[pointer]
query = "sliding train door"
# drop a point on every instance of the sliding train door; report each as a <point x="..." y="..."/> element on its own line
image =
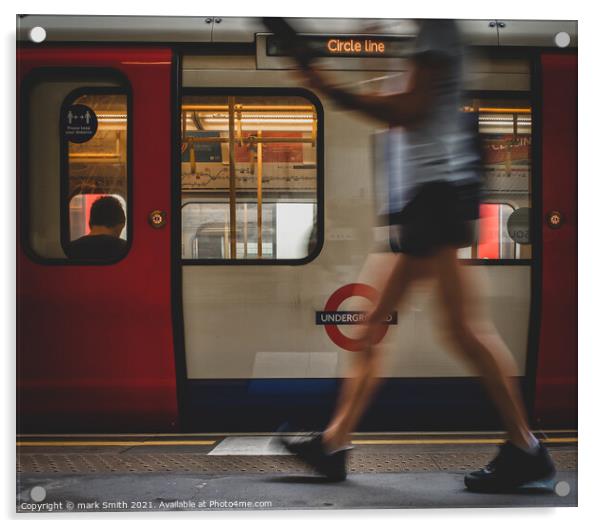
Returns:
<point x="95" y="340"/>
<point x="556" y="382"/>
<point x="281" y="250"/>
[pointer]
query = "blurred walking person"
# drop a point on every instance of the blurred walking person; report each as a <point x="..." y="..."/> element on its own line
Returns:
<point x="436" y="195"/>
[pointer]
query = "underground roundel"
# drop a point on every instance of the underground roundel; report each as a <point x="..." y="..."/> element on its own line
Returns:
<point x="331" y="318"/>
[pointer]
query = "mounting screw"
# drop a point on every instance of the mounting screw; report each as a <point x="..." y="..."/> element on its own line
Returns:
<point x="208" y="20"/>
<point x="501" y="24"/>
<point x="218" y="20"/>
<point x="492" y="24"/>
<point x="562" y="39"/>
<point x="37" y="34"/>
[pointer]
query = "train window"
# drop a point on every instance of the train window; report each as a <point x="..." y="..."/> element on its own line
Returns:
<point x="67" y="167"/>
<point x="505" y="133"/>
<point x="97" y="169"/>
<point x="286" y="227"/>
<point x="250" y="185"/>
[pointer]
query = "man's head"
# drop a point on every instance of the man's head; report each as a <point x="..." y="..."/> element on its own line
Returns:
<point x="107" y="217"/>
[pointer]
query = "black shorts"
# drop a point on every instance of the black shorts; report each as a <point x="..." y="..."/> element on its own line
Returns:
<point x="441" y="214"/>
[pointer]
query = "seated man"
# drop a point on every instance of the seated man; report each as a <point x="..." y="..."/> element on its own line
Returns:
<point x="107" y="220"/>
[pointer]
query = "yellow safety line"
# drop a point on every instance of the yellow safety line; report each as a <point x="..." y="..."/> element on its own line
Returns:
<point x="395" y="441"/>
<point x="455" y="441"/>
<point x="117" y="443"/>
<point x="225" y="433"/>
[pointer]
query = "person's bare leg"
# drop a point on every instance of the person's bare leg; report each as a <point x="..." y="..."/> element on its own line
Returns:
<point x="478" y="342"/>
<point x="363" y="378"/>
<point x="356" y="392"/>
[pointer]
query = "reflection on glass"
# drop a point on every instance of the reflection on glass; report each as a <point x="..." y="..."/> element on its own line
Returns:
<point x="494" y="240"/>
<point x="286" y="230"/>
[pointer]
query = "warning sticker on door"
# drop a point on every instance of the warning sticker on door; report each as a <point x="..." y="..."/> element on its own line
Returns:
<point x="79" y="123"/>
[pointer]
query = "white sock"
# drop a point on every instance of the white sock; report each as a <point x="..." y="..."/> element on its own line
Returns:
<point x="533" y="444"/>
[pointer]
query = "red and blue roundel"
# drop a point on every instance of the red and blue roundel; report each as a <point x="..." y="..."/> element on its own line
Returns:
<point x="331" y="318"/>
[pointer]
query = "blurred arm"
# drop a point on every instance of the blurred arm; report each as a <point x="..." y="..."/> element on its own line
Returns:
<point x="400" y="109"/>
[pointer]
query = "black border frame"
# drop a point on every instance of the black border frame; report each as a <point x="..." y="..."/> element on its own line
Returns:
<point x="258" y="91"/>
<point x="23" y="116"/>
<point x="536" y="226"/>
<point x="185" y="417"/>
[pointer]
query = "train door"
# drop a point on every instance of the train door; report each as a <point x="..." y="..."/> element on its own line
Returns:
<point x="556" y="381"/>
<point x="95" y="339"/>
<point x="259" y="346"/>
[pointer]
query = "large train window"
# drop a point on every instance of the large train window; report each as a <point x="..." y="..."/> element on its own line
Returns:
<point x="250" y="168"/>
<point x="74" y="144"/>
<point x="505" y="132"/>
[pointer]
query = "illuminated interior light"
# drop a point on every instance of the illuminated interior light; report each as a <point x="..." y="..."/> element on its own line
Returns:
<point x="244" y="121"/>
<point x="489" y="119"/>
<point x="256" y="117"/>
<point x="505" y="110"/>
<point x="249" y="108"/>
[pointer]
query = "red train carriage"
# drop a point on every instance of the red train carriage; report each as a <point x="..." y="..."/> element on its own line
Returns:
<point x="249" y="202"/>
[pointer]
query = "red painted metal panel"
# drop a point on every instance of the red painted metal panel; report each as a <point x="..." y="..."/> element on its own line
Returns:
<point x="95" y="344"/>
<point x="556" y="383"/>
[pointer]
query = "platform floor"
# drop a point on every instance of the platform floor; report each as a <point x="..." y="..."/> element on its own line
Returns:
<point x="215" y="472"/>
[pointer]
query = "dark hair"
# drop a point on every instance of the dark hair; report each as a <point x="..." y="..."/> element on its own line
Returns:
<point x="107" y="211"/>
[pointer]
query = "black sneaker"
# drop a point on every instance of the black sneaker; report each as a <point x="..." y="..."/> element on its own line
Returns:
<point x="510" y="469"/>
<point x="311" y="451"/>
